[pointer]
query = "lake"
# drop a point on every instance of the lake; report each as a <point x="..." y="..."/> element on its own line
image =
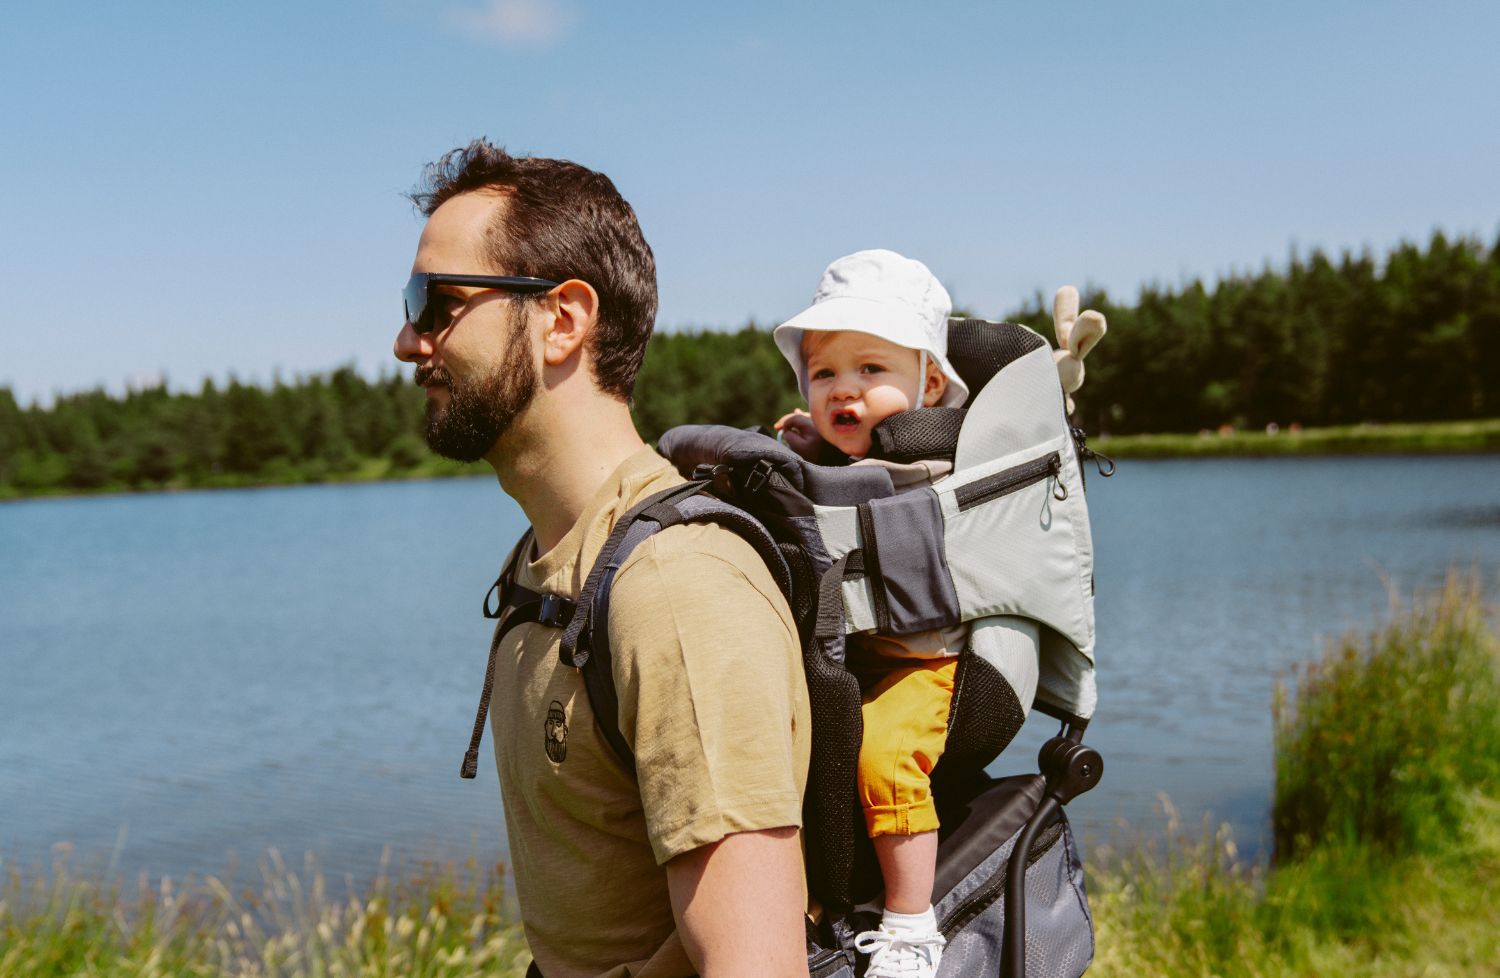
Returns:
<point x="189" y="680"/>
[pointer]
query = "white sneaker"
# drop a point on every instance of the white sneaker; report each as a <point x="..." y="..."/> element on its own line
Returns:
<point x="905" y="954"/>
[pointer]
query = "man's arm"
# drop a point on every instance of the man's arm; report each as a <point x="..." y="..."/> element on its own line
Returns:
<point x="739" y="904"/>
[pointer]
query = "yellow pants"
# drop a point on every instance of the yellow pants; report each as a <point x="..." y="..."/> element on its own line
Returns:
<point x="906" y="724"/>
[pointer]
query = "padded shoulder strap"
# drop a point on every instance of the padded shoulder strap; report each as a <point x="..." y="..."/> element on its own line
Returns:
<point x="591" y="653"/>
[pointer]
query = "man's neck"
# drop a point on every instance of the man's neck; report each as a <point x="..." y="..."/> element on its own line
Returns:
<point x="552" y="461"/>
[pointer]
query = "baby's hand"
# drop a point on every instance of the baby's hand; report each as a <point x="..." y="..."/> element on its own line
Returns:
<point x="798" y="433"/>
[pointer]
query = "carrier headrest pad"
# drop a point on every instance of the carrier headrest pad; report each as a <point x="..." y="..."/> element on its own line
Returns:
<point x="979" y="349"/>
<point x="691" y="445"/>
<point x="931" y="433"/>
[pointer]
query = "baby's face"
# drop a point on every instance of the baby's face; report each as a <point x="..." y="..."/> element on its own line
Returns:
<point x="856" y="381"/>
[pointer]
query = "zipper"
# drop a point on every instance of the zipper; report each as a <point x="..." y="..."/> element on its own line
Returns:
<point x="1004" y="483"/>
<point x="994" y="887"/>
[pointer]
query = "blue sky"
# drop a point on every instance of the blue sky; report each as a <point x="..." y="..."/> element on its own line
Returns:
<point x="195" y="188"/>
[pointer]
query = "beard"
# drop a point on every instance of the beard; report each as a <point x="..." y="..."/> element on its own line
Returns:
<point x="479" y="411"/>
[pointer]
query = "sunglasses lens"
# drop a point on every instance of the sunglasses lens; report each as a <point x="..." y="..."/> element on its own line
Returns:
<point x="414" y="298"/>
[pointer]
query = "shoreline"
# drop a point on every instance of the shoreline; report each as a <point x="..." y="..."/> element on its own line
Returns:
<point x="1477" y="437"/>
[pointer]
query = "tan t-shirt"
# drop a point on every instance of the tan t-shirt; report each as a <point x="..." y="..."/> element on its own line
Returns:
<point x="712" y="701"/>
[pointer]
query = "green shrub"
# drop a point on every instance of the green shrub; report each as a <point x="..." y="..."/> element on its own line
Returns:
<point x="1382" y="740"/>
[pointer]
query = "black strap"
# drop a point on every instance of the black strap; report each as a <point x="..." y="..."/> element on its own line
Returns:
<point x="597" y="668"/>
<point x="517" y="606"/>
<point x="831" y="594"/>
<point x="871" y="547"/>
<point x="585" y="623"/>
<point x="599" y="681"/>
<point x="507" y="578"/>
<point x="574" y="650"/>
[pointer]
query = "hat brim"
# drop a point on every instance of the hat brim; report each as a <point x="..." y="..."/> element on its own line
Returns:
<point x="884" y="320"/>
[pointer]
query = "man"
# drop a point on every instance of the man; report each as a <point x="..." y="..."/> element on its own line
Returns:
<point x="694" y="864"/>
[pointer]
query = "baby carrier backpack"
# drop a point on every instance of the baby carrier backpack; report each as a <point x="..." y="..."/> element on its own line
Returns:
<point x="1001" y="544"/>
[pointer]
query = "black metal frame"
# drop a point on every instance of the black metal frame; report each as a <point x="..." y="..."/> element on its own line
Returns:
<point x="1071" y="768"/>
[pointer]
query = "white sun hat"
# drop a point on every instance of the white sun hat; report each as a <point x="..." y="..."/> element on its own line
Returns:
<point x="886" y="295"/>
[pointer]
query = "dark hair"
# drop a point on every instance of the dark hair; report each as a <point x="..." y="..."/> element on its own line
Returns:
<point x="562" y="221"/>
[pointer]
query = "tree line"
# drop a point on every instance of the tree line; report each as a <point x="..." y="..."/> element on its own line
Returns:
<point x="1414" y="336"/>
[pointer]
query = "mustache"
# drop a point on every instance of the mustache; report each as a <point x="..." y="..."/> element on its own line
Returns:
<point x="429" y="376"/>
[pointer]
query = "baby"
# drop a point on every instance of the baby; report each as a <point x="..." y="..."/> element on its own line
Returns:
<point x="873" y="344"/>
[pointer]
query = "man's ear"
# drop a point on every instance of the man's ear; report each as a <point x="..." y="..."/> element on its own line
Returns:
<point x="937" y="385"/>
<point x="573" y="309"/>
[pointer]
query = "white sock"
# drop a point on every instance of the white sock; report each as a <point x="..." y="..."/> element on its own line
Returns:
<point x="909" y="923"/>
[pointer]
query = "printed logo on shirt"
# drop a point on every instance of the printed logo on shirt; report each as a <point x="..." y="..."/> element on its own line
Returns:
<point x="555" y="733"/>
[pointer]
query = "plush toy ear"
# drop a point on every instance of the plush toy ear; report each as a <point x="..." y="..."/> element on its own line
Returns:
<point x="1089" y="328"/>
<point x="1064" y="311"/>
<point x="1069" y="370"/>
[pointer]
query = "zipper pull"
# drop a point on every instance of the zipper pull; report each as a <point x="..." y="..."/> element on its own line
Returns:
<point x="1103" y="463"/>
<point x="1059" y="488"/>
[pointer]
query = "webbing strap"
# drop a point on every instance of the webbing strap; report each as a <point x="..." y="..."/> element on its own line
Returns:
<point x="871" y="547"/>
<point x="831" y="594"/>
<point x="524" y="606"/>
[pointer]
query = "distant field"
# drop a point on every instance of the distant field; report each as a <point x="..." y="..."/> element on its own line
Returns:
<point x="1365" y="439"/>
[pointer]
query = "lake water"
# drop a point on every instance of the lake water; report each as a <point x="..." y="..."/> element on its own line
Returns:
<point x="189" y="680"/>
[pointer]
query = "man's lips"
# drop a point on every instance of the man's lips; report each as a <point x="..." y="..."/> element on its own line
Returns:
<point x="432" y="379"/>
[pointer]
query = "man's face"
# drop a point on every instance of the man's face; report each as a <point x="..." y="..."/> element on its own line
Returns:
<point x="476" y="365"/>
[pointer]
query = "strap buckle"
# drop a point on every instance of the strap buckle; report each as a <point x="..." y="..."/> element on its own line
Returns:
<point x="717" y="477"/>
<point x="758" y="476"/>
<point x="556" y="611"/>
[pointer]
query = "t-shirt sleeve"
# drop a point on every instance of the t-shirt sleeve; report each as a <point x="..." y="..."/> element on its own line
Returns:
<point x="712" y="699"/>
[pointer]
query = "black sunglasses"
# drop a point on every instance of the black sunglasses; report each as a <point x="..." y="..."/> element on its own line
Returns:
<point x="418" y="291"/>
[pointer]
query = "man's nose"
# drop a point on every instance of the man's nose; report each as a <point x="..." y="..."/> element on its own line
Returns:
<point x="411" y="346"/>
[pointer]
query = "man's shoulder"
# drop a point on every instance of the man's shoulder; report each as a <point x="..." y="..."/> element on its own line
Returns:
<point x="706" y="548"/>
<point x="701" y="572"/>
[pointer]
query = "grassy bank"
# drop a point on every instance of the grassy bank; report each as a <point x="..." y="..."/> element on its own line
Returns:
<point x="1386" y="820"/>
<point x="1436" y="437"/>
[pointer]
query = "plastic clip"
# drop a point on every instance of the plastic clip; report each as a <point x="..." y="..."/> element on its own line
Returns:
<point x="556" y="611"/>
<point x="756" y="480"/>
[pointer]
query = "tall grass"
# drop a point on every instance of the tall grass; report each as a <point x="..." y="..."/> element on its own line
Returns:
<point x="1386" y="820"/>
<point x="1389" y="734"/>
<point x="453" y="923"/>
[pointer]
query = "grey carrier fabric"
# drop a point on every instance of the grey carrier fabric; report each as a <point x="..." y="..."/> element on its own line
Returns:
<point x="1001" y="544"/>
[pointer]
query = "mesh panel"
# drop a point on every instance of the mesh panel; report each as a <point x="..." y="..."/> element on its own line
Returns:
<point x="983" y="719"/>
<point x="911" y="436"/>
<point x="978" y="349"/>
<point x="839" y="854"/>
<point x="804" y="585"/>
<point x="1059" y="926"/>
